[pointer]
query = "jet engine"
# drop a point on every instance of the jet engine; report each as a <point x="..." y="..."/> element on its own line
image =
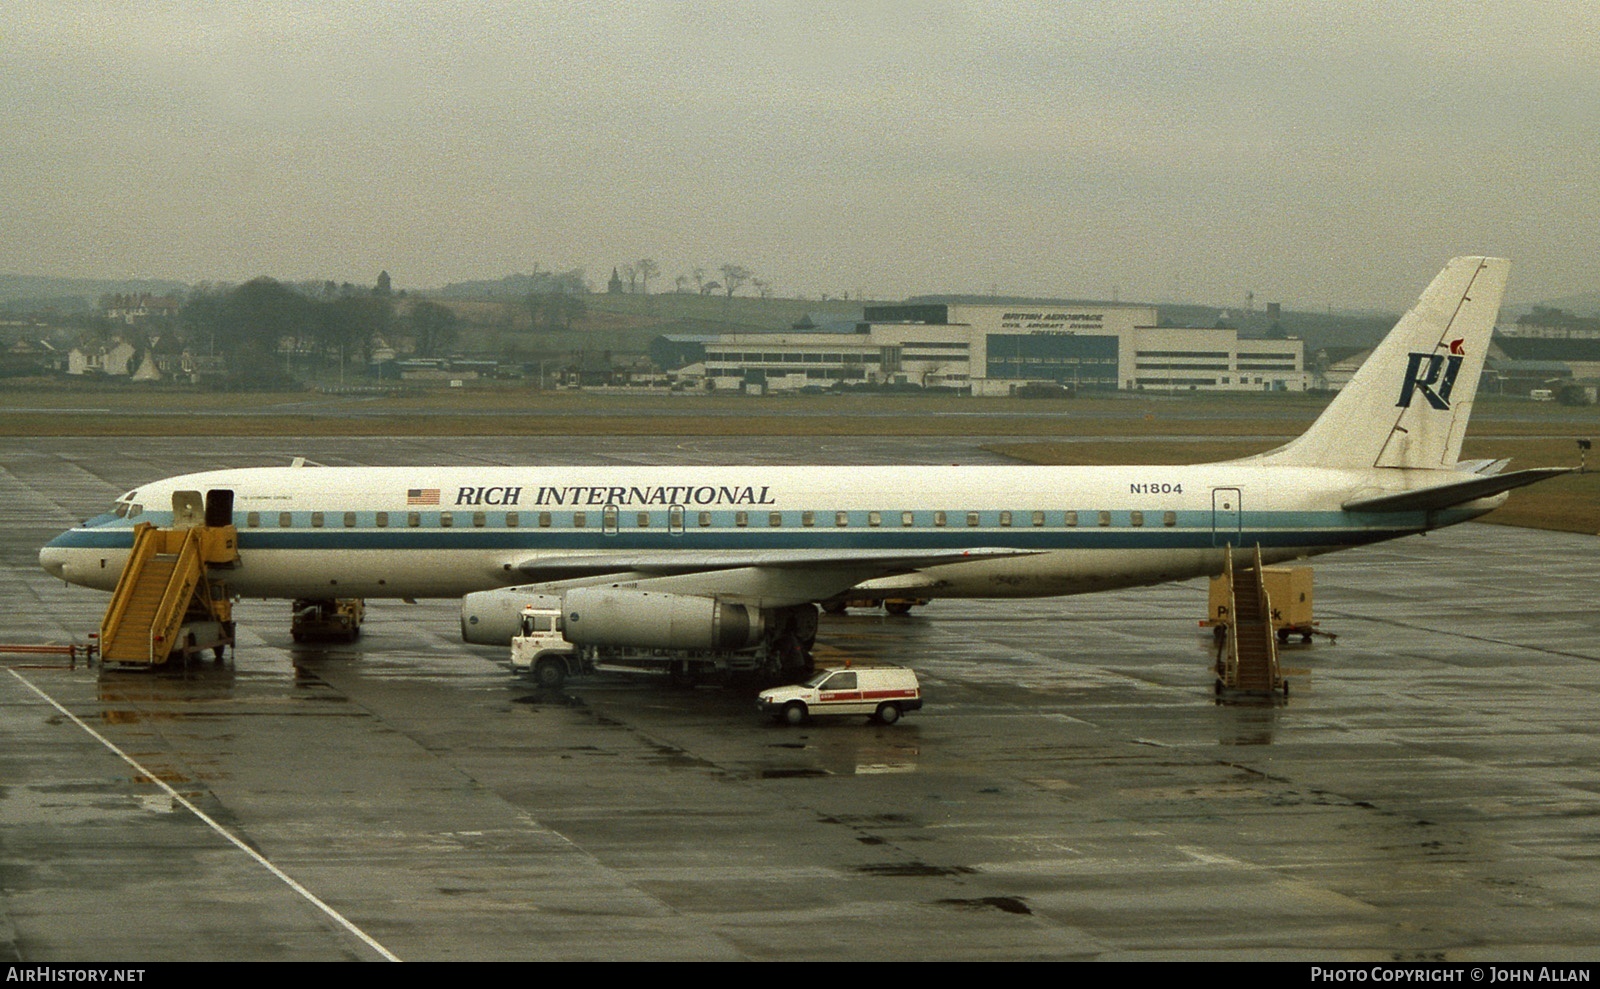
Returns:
<point x="491" y="618"/>
<point x="614" y="616"/>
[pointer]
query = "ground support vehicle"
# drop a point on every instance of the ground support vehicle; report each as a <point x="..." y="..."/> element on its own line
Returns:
<point x="894" y="606"/>
<point x="1288" y="590"/>
<point x="327" y="619"/>
<point x="883" y="693"/>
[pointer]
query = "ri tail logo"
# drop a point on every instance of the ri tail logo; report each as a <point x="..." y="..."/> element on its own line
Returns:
<point x="1433" y="376"/>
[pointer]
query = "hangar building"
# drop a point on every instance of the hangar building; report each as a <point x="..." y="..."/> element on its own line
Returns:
<point x="992" y="350"/>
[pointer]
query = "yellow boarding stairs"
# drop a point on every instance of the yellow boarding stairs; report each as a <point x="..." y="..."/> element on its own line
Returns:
<point x="166" y="602"/>
<point x="1247" y="660"/>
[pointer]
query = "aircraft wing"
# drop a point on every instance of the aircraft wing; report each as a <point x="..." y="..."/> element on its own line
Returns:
<point x="1455" y="492"/>
<point x="569" y="565"/>
<point x="771" y="578"/>
<point x="698" y="560"/>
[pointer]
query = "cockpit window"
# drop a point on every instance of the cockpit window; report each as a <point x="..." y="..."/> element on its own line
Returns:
<point x="120" y="509"/>
<point x="135" y="510"/>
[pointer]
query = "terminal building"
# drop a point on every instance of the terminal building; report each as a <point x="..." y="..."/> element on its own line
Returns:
<point x="991" y="350"/>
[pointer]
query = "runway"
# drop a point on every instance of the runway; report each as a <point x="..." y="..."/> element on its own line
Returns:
<point x="1430" y="791"/>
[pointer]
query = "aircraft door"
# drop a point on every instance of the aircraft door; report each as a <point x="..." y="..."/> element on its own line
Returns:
<point x="188" y="509"/>
<point x="219" y="507"/>
<point x="1226" y="517"/>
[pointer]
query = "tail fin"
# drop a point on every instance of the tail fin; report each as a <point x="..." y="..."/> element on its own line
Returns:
<point x="1408" y="405"/>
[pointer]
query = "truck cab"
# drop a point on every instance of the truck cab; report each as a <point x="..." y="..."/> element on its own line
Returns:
<point x="541" y="648"/>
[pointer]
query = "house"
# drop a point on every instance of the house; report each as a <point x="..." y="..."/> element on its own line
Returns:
<point x="111" y="359"/>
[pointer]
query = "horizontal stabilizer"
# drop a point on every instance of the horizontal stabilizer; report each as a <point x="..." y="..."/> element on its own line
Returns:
<point x="1454" y="493"/>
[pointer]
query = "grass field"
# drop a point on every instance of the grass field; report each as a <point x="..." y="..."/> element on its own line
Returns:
<point x="1149" y="429"/>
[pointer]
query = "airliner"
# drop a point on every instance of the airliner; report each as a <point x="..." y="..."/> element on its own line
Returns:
<point x="738" y="557"/>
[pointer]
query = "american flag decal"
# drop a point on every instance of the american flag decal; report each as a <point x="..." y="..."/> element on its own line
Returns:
<point x="422" y="496"/>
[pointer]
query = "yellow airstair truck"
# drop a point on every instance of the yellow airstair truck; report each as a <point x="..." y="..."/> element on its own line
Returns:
<point x="171" y="599"/>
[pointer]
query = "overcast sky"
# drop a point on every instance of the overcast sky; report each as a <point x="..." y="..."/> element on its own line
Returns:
<point x="1318" y="154"/>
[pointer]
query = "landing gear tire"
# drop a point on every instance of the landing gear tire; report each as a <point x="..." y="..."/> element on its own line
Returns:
<point x="888" y="714"/>
<point x="834" y="607"/>
<point x="794" y="714"/>
<point x="897" y="607"/>
<point x="550" y="673"/>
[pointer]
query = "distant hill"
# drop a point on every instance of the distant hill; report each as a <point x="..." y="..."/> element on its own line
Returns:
<point x="513" y="286"/>
<point x="28" y="293"/>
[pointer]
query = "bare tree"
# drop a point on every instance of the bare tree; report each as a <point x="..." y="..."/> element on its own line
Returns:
<point x="733" y="276"/>
<point x="648" y="269"/>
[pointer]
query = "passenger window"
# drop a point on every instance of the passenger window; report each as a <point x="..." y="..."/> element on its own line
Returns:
<point x="544" y="520"/>
<point x="1105" y="518"/>
<point x="349" y="520"/>
<point x="446" y="520"/>
<point x="1136" y="518"/>
<point x="906" y="518"/>
<point x="775" y="519"/>
<point x="413" y="519"/>
<point x="644" y="520"/>
<point x="1169" y="518"/>
<point x="252" y="519"/>
<point x="285" y="520"/>
<point x="479" y="520"/>
<point x="512" y="520"/>
<point x="382" y="519"/>
<point x="972" y="518"/>
<point x="579" y="520"/>
<point x="938" y="518"/>
<point x="1005" y="518"/>
<point x="874" y="518"/>
<point x="1038" y="518"/>
<point x="1069" y="518"/>
<point x="841" y="518"/>
<point x="705" y="520"/>
<point x="808" y="518"/>
<point x="741" y="519"/>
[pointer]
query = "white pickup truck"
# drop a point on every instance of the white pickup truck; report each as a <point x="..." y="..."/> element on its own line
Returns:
<point x="883" y="693"/>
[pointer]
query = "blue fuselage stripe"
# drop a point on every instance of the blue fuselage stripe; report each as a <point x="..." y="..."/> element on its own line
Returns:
<point x="1191" y="530"/>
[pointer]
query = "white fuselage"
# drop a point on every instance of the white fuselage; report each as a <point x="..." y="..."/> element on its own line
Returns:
<point x="412" y="532"/>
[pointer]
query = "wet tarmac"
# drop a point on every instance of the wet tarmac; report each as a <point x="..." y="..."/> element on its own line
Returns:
<point x="1430" y="790"/>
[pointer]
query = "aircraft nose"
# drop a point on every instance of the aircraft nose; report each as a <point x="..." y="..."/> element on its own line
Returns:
<point x="54" y="561"/>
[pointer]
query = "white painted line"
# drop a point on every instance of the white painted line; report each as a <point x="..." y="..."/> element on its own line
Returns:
<point x="337" y="917"/>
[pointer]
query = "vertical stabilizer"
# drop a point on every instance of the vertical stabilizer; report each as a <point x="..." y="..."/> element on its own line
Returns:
<point x="1408" y="405"/>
